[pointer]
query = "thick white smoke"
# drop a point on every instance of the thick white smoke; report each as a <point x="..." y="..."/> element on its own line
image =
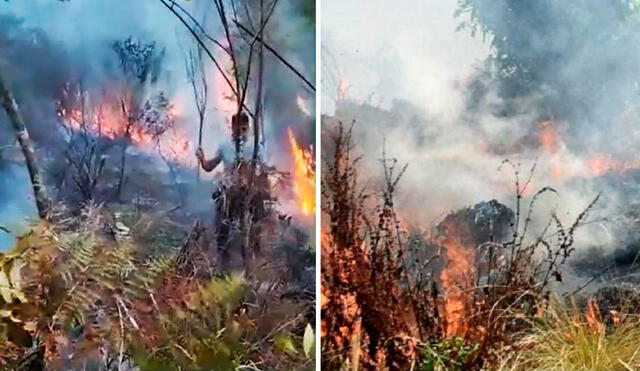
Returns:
<point x="410" y="77"/>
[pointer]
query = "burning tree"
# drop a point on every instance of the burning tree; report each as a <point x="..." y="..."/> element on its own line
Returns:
<point x="140" y="65"/>
<point x="96" y="123"/>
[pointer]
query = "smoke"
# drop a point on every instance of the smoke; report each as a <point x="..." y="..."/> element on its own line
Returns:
<point x="549" y="83"/>
<point x="45" y="44"/>
<point x="86" y="29"/>
<point x="15" y="200"/>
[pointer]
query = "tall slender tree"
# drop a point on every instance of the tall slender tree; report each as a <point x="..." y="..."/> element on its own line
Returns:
<point x="11" y="108"/>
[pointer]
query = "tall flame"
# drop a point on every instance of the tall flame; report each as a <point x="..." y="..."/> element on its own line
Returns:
<point x="304" y="175"/>
<point x="455" y="276"/>
<point x="224" y="95"/>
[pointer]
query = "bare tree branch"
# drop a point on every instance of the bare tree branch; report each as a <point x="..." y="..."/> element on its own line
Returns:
<point x="277" y="55"/>
<point x="169" y="4"/>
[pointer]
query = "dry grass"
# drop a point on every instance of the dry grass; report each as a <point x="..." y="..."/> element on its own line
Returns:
<point x="566" y="339"/>
<point x="383" y="302"/>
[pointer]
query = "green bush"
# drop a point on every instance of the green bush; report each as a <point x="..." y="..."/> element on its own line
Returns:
<point x="451" y="354"/>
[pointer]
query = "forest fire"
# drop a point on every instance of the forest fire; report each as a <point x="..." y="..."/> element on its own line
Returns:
<point x="303" y="176"/>
<point x="593" y="316"/>
<point x="225" y="96"/>
<point x="601" y="164"/>
<point x="103" y="124"/>
<point x="153" y="135"/>
<point x="102" y="161"/>
<point x="455" y="277"/>
<point x="593" y="165"/>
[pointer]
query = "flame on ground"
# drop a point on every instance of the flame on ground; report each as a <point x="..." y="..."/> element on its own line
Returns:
<point x="108" y="121"/>
<point x="455" y="277"/>
<point x="303" y="176"/>
<point x="593" y="316"/>
<point x="591" y="165"/>
<point x="600" y="164"/>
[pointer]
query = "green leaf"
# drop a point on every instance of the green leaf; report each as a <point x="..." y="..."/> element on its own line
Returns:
<point x="10" y="280"/>
<point x="284" y="343"/>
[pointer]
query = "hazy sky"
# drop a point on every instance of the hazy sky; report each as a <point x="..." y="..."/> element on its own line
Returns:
<point x="388" y="49"/>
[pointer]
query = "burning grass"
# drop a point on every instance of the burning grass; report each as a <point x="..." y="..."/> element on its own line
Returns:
<point x="456" y="299"/>
<point x="568" y="339"/>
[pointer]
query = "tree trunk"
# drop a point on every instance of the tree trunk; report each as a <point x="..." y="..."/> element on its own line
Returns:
<point x="11" y="107"/>
<point x="123" y="164"/>
<point x="258" y="110"/>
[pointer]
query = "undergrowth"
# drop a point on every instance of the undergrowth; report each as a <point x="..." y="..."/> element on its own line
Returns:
<point x="568" y="339"/>
<point x="76" y="295"/>
<point x="384" y="303"/>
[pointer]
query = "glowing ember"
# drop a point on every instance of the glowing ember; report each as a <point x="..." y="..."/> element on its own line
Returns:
<point x="456" y="275"/>
<point x="303" y="176"/>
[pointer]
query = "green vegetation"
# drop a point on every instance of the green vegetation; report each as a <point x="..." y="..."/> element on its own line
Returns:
<point x="74" y="297"/>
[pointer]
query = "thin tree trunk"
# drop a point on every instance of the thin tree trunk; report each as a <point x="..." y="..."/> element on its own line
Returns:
<point x="258" y="110"/>
<point x="11" y="107"/>
<point x="123" y="163"/>
<point x="201" y="117"/>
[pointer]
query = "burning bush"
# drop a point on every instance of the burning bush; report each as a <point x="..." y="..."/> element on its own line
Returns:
<point x="362" y="257"/>
<point x="451" y="300"/>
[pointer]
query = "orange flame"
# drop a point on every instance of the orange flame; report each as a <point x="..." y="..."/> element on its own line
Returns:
<point x="455" y="277"/>
<point x="548" y="137"/>
<point x="108" y="121"/>
<point x="303" y="176"/>
<point x="600" y="164"/>
<point x="594" y="165"/>
<point x="594" y="319"/>
<point x="225" y="97"/>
